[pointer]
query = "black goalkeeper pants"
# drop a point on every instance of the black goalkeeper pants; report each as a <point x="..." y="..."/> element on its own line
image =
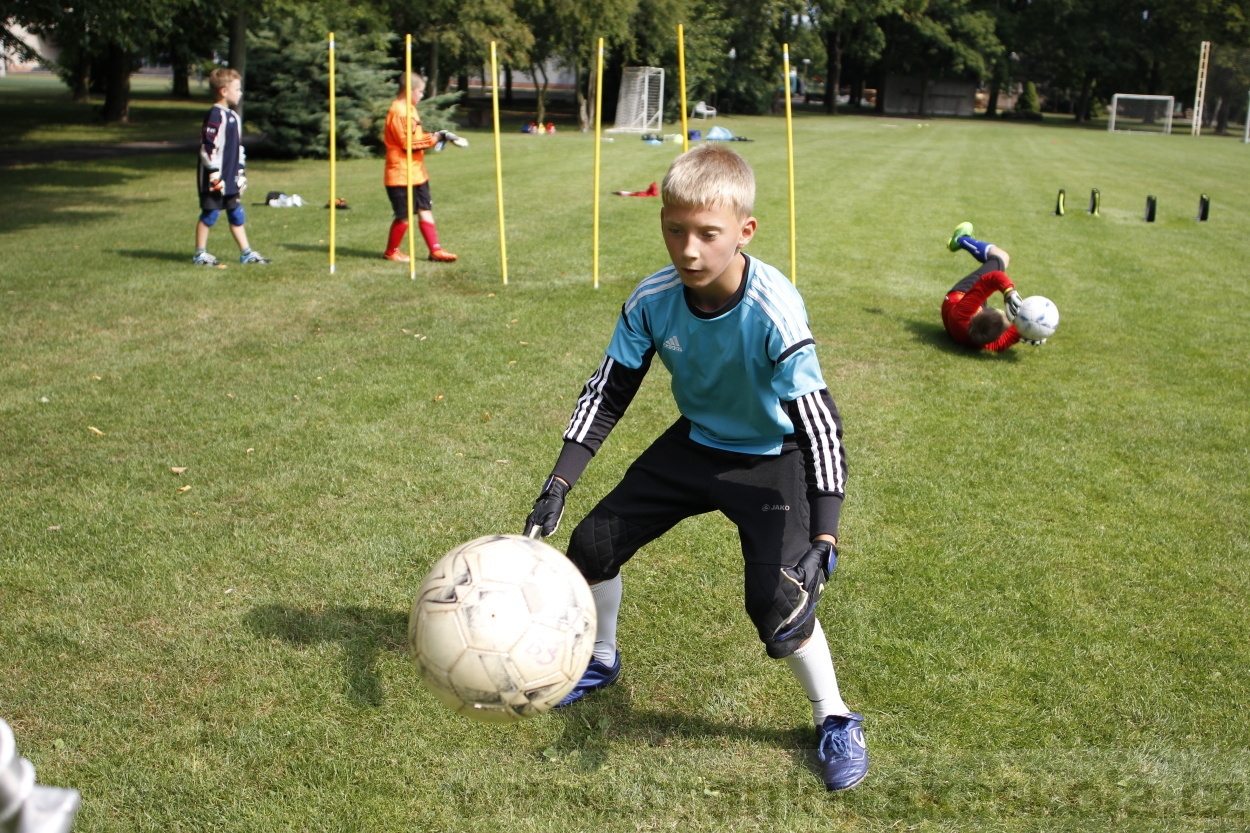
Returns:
<point x="676" y="478"/>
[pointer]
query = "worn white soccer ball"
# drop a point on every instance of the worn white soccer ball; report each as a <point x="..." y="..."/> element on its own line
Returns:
<point x="1037" y="318"/>
<point x="502" y="628"/>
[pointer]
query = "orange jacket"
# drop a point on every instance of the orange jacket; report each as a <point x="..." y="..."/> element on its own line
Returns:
<point x="396" y="149"/>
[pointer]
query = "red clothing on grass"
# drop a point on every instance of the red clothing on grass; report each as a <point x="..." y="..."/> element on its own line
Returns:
<point x="959" y="307"/>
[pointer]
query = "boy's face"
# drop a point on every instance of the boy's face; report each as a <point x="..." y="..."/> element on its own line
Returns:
<point x="232" y="93"/>
<point x="703" y="240"/>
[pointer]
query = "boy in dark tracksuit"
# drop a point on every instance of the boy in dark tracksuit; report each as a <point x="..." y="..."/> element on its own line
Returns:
<point x="760" y="440"/>
<point x="220" y="172"/>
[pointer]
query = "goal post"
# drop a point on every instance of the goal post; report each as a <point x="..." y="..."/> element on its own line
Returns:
<point x="1132" y="113"/>
<point x="1200" y="92"/>
<point x="1220" y="105"/>
<point x="640" y="106"/>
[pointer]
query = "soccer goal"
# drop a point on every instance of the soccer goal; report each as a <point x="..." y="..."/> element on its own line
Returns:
<point x="640" y="107"/>
<point x="1141" y="113"/>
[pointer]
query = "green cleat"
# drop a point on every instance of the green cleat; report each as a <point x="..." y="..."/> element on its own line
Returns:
<point x="962" y="230"/>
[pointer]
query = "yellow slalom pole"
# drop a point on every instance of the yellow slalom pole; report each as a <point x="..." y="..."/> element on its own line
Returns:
<point x="333" y="155"/>
<point x="494" y="103"/>
<point x="785" y="61"/>
<point x="681" y="75"/>
<point x="412" y="232"/>
<point x="598" y="148"/>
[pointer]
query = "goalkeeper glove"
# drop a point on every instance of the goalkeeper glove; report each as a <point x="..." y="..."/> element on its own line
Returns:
<point x="241" y="180"/>
<point x="808" y="576"/>
<point x="445" y="136"/>
<point x="216" y="184"/>
<point x="1013" y="305"/>
<point x="548" y="509"/>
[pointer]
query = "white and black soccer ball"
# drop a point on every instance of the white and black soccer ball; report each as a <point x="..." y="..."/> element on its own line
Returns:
<point x="502" y="628"/>
<point x="1037" y="318"/>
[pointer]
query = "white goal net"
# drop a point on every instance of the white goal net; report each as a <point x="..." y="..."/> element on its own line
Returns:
<point x="1141" y="113"/>
<point x="640" y="107"/>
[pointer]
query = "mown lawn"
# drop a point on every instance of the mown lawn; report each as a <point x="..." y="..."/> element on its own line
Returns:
<point x="1042" y="602"/>
<point x="37" y="112"/>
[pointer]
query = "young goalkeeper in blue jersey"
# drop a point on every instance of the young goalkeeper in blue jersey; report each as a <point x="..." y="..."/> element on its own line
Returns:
<point x="759" y="439"/>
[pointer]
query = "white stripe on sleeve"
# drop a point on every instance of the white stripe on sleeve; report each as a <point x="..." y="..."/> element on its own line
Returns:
<point x="589" y="402"/>
<point x="644" y="290"/>
<point x="820" y="447"/>
<point x="779" y="320"/>
<point x="832" y="445"/>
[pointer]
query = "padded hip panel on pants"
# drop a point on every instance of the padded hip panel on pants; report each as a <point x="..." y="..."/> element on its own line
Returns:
<point x="602" y="542"/>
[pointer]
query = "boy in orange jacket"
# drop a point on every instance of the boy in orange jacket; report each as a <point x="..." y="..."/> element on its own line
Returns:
<point x="398" y="135"/>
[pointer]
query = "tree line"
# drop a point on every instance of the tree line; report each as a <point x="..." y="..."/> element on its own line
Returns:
<point x="1076" y="53"/>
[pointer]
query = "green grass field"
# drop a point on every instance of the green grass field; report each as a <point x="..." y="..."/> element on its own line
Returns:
<point x="36" y="111"/>
<point x="1042" y="601"/>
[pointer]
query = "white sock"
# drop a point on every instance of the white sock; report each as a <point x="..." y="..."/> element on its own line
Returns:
<point x="813" y="665"/>
<point x="607" y="606"/>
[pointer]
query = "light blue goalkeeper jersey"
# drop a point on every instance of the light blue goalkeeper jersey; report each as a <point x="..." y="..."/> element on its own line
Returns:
<point x="730" y="372"/>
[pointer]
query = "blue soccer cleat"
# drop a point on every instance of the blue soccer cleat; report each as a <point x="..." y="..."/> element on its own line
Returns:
<point x="205" y="259"/>
<point x="253" y="257"/>
<point x="842" y="752"/>
<point x="597" y="676"/>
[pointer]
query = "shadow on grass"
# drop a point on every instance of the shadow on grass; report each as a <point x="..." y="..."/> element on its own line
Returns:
<point x="368" y="254"/>
<point x="153" y="254"/>
<point x="363" y="633"/>
<point x="154" y="114"/>
<point x="934" y="335"/>
<point x="606" y="717"/>
<point x="69" y="194"/>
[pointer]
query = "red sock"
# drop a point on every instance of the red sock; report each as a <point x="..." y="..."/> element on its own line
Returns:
<point x="396" y="239"/>
<point x="430" y="233"/>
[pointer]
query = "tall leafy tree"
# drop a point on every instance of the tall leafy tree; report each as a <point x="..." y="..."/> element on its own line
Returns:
<point x="115" y="32"/>
<point x="939" y="38"/>
<point x="851" y="30"/>
<point x="290" y="88"/>
<point x="567" y="32"/>
<point x="454" y="36"/>
<point x="193" y="35"/>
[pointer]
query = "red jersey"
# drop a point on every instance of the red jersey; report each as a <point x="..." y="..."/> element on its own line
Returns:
<point x="965" y="300"/>
<point x="396" y="149"/>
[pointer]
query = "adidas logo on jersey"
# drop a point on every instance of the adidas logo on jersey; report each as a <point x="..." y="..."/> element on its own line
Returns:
<point x="673" y="344"/>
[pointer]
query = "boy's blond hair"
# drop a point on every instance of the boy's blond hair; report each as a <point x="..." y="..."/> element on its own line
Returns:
<point x="711" y="175"/>
<point x="418" y="83"/>
<point x="221" y="77"/>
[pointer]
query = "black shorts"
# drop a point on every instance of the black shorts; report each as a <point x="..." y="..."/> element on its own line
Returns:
<point x="676" y="478"/>
<point x="993" y="264"/>
<point x="217" y="201"/>
<point x="399" y="199"/>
